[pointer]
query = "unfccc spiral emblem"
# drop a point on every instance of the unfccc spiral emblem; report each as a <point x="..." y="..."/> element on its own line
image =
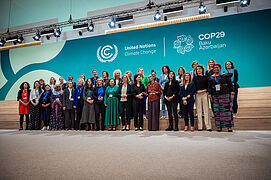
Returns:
<point x="107" y="53"/>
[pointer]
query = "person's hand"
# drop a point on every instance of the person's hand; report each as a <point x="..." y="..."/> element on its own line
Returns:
<point x="184" y="98"/>
<point x="105" y="105"/>
<point x="184" y="102"/>
<point x="43" y="105"/>
<point x="74" y="107"/>
<point x="211" y="99"/>
<point x="231" y="97"/>
<point x="199" y="91"/>
<point x="91" y="101"/>
<point x="64" y="108"/>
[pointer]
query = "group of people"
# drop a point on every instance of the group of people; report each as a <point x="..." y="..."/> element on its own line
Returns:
<point x="98" y="103"/>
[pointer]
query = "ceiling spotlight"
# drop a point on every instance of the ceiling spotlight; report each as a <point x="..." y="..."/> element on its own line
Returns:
<point x="112" y="23"/>
<point x="2" y="42"/>
<point x="119" y="25"/>
<point x="165" y="18"/>
<point x="48" y="37"/>
<point x="245" y="3"/>
<point x="57" y="33"/>
<point x="80" y="33"/>
<point x="202" y="8"/>
<point x="157" y="16"/>
<point x="37" y="37"/>
<point x="20" y="39"/>
<point x="91" y="27"/>
<point x="14" y="42"/>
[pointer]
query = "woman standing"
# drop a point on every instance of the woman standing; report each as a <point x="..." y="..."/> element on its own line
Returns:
<point x="162" y="81"/>
<point x="125" y="102"/>
<point x="210" y="70"/>
<point x="130" y="75"/>
<point x="233" y="74"/>
<point x="52" y="83"/>
<point x="117" y="76"/>
<point x="35" y="106"/>
<point x="42" y="84"/>
<point x="145" y="82"/>
<point x="201" y="85"/>
<point x="138" y="90"/>
<point x="221" y="94"/>
<point x="24" y="106"/>
<point x="88" y="115"/>
<point x="194" y="66"/>
<point x="98" y="95"/>
<point x="105" y="75"/>
<point x="78" y="102"/>
<point x="187" y="97"/>
<point x="56" y="119"/>
<point x="111" y="102"/>
<point x="154" y="93"/>
<point x="45" y="107"/>
<point x="69" y="112"/>
<point x="171" y="95"/>
<point x="179" y="78"/>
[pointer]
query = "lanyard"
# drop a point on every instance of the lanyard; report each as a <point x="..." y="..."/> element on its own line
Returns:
<point x="216" y="80"/>
<point x="111" y="89"/>
<point x="88" y="93"/>
<point x="37" y="94"/>
<point x="45" y="96"/>
<point x="57" y="94"/>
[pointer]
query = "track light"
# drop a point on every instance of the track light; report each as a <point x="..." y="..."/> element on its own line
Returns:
<point x="245" y="3"/>
<point x="91" y="27"/>
<point x="20" y="39"/>
<point x="80" y="33"/>
<point x="37" y="37"/>
<point x="2" y="42"/>
<point x="112" y="23"/>
<point x="157" y="16"/>
<point x="48" y="37"/>
<point x="202" y="8"/>
<point x="57" y="33"/>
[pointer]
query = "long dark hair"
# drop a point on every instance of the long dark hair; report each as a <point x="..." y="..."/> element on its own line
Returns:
<point x="40" y="90"/>
<point x="174" y="78"/>
<point x="168" y="69"/>
<point x="22" y="86"/>
<point x="135" y="76"/>
<point x="88" y="87"/>
<point x="110" y="80"/>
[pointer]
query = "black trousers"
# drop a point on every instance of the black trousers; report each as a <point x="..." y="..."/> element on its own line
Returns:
<point x="99" y="109"/>
<point x="69" y="118"/>
<point x="181" y="113"/>
<point x="188" y="109"/>
<point x="26" y="120"/>
<point x="234" y="103"/>
<point x="79" y="109"/>
<point x="172" y="109"/>
<point x="138" y="112"/>
<point x="125" y="112"/>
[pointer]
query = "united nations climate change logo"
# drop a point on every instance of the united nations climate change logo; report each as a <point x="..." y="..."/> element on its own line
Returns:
<point x="107" y="53"/>
<point x="183" y="44"/>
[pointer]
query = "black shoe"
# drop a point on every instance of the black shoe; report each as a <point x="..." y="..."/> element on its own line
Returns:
<point x="176" y="129"/>
<point x="219" y="130"/>
<point x="21" y="129"/>
<point x="229" y="130"/>
<point x="97" y="129"/>
<point x="136" y="129"/>
<point x="199" y="129"/>
<point x="169" y="129"/>
<point x="123" y="129"/>
<point x="210" y="130"/>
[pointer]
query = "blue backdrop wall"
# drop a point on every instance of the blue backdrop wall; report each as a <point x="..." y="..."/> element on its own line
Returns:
<point x="242" y="38"/>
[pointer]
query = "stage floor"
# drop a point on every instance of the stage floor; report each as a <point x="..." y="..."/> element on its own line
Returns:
<point x="135" y="155"/>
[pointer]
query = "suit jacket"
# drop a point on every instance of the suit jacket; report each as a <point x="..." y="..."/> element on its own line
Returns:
<point x="190" y="90"/>
<point x="76" y="94"/>
<point x="170" y="90"/>
<point x="95" y="93"/>
<point x="129" y="93"/>
<point x="19" y="96"/>
<point x="66" y="100"/>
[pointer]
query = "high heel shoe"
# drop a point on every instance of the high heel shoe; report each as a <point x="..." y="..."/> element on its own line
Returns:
<point x="192" y="129"/>
<point x="186" y="128"/>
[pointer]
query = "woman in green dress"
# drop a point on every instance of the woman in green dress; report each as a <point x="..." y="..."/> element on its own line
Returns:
<point x="111" y="101"/>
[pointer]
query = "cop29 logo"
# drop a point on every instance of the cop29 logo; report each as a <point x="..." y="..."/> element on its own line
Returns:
<point x="183" y="44"/>
<point x="107" y="53"/>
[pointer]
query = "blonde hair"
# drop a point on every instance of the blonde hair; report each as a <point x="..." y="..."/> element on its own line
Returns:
<point x="114" y="73"/>
<point x="194" y="63"/>
<point x="209" y="64"/>
<point x="190" y="78"/>
<point x="101" y="80"/>
<point x="128" y="79"/>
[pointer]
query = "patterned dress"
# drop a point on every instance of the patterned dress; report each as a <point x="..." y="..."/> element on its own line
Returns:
<point x="56" y="119"/>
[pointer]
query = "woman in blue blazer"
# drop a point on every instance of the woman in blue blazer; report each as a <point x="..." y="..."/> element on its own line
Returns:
<point x="187" y="92"/>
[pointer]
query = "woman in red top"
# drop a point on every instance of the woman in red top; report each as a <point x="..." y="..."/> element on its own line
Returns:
<point x="154" y="93"/>
<point x="24" y="106"/>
